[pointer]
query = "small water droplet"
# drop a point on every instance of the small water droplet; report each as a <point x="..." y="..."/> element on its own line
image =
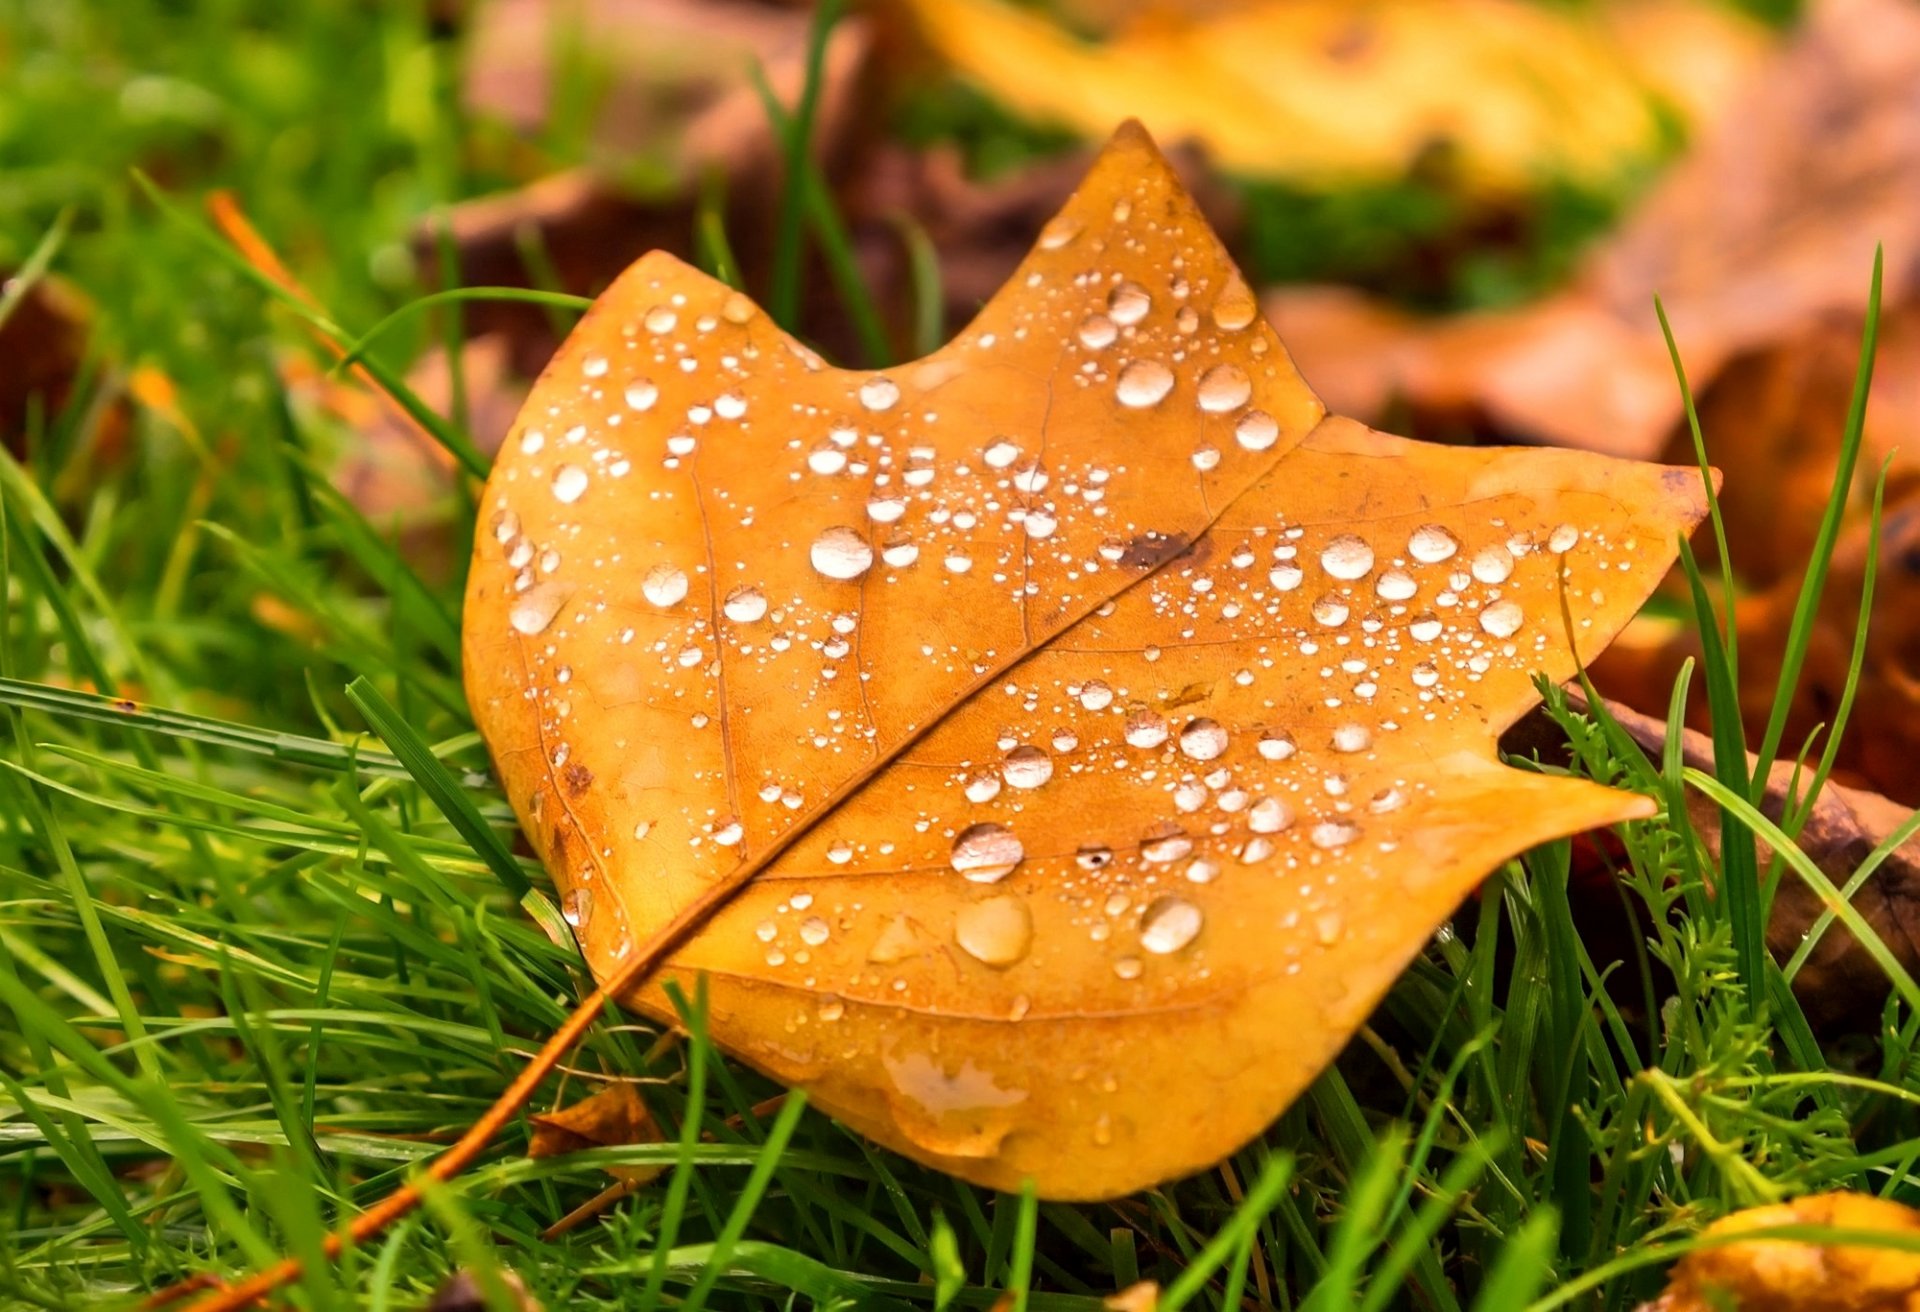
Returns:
<point x="641" y="394"/>
<point x="1387" y="799"/>
<point x="532" y="441"/>
<point x="1206" y="458"/>
<point x="1352" y="738"/>
<point x="1166" y="844"/>
<point x="1224" y="388"/>
<point x="879" y="393"/>
<point x="661" y="319"/>
<point x="1169" y="924"/>
<point x="826" y="458"/>
<point x="983" y="787"/>
<point x="1269" y="815"/>
<point x="1094" y="857"/>
<point x="1327" y="927"/>
<point x="569" y="482"/>
<point x="1027" y="766"/>
<point x="1331" y="610"/>
<point x="729" y="832"/>
<point x="1431" y="544"/>
<point x="1347" y="557"/>
<point x="1276" y="745"/>
<point x="1502" y="619"/>
<point x="1126" y="968"/>
<point x="664" y="585"/>
<point x="882" y="509"/>
<point x="1145" y="728"/>
<point x="900" y="552"/>
<point x="1203" y="739"/>
<point x="1097" y="331"/>
<point x="533" y="610"/>
<point x="1425" y="627"/>
<point x="1128" y="303"/>
<point x="1395" y="585"/>
<point x="986" y="853"/>
<point x="1000" y="453"/>
<point x="1144" y="383"/>
<point x="1059" y="230"/>
<point x="996" y="932"/>
<point x="1256" y="430"/>
<point x="1286" y="576"/>
<point x="744" y="605"/>
<point x="1334" y="833"/>
<point x="841" y="553"/>
<point x="1425" y="674"/>
<point x="1095" y="695"/>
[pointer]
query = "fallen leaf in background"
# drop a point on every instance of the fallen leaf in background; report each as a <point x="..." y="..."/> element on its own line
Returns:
<point x="1797" y="1275"/>
<point x="1023" y="729"/>
<point x="680" y="98"/>
<point x="1759" y="241"/>
<point x="1331" y="94"/>
<point x="1839" y="984"/>
<point x="465" y="1293"/>
<point x="1883" y="740"/>
<point x="43" y="343"/>
<point x="615" y="1115"/>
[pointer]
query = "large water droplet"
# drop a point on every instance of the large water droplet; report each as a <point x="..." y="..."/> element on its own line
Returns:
<point x="641" y="394"/>
<point x="533" y="610"/>
<point x="996" y="932"/>
<point x="1502" y="619"/>
<point x="1330" y="610"/>
<point x="1276" y="745"/>
<point x="1097" y="331"/>
<point x="1562" y="539"/>
<point x="1352" y="738"/>
<point x="1334" y="833"/>
<point x="744" y="605"/>
<point x="1425" y="627"/>
<point x="1224" y="388"/>
<point x="1168" y="843"/>
<point x="841" y="553"/>
<point x="826" y="458"/>
<point x="1347" y="557"/>
<point x="569" y="482"/>
<point x="664" y="585"/>
<point x="1169" y="924"/>
<point x="1027" y="766"/>
<point x="1431" y="544"/>
<point x="1144" y="383"/>
<point x="1095" y="695"/>
<point x="1269" y="815"/>
<point x="883" y="509"/>
<point x="900" y="552"/>
<point x="1145" y="728"/>
<point x="1059" y="230"/>
<point x="661" y="319"/>
<point x="1493" y="564"/>
<point x="1395" y="585"/>
<point x="879" y="393"/>
<point x="1234" y="308"/>
<point x="1001" y="452"/>
<point x="1128" y="303"/>
<point x="1256" y="430"/>
<point x="1203" y="739"/>
<point x="983" y="787"/>
<point x="986" y="853"/>
<point x="1286" y="576"/>
<point x="814" y="931"/>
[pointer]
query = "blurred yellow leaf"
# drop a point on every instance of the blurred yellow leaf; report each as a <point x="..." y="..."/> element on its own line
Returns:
<point x="1798" y="1275"/>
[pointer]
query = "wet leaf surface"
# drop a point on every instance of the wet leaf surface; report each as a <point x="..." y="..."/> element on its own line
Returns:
<point x="1081" y="727"/>
<point x="1797" y="1275"/>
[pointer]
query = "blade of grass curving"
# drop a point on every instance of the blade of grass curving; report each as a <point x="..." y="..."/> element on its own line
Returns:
<point x="923" y="273"/>
<point x="35" y="266"/>
<point x="1739" y="889"/>
<point x="1706" y="479"/>
<point x="693" y="1016"/>
<point x="357" y="349"/>
<point x="1855" y="882"/>
<point x="1813" y="582"/>
<point x="796" y="133"/>
<point x="439" y="784"/>
<point x="1524" y="1265"/>
<point x="1236" y="1235"/>
<point x="710" y="231"/>
<point x="1025" y="1227"/>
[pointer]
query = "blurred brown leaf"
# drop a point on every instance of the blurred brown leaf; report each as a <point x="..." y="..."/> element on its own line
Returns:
<point x="41" y="343"/>
<point x="1796" y="1275"/>
<point x="614" y="1116"/>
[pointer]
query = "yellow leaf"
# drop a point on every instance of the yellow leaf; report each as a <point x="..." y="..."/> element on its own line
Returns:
<point x="1797" y="1275"/>
<point x="1071" y="734"/>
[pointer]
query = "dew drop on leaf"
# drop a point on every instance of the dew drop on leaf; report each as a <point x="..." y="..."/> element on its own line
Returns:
<point x="1256" y="430"/>
<point x="1224" y="388"/>
<point x="533" y="610"/>
<point x="1347" y="557"/>
<point x="1128" y="303"/>
<point x="1144" y="383"/>
<point x="1269" y="815"/>
<point x="664" y="585"/>
<point x="986" y="853"/>
<point x="1431" y="544"/>
<point x="745" y="605"/>
<point x="879" y="393"/>
<point x="1026" y="766"/>
<point x="1276" y="745"/>
<point x="1169" y="924"/>
<point x="1502" y="619"/>
<point x="841" y="553"/>
<point x="641" y="394"/>
<point x="1493" y="564"/>
<point x="569" y="482"/>
<point x="996" y="932"/>
<point x="1145" y="728"/>
<point x="1203" y="739"/>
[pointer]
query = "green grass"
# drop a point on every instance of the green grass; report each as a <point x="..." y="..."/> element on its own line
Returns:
<point x="264" y="943"/>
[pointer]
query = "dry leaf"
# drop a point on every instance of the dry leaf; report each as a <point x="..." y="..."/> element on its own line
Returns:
<point x="1043" y="718"/>
<point x="1327" y="93"/>
<point x="614" y="1116"/>
<point x="1840" y="984"/>
<point x="1794" y="1275"/>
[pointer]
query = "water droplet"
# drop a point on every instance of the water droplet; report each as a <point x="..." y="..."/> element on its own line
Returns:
<point x="744" y="605"/>
<point x="664" y="585"/>
<point x="814" y="931"/>
<point x="1126" y="968"/>
<point x="1097" y="331"/>
<point x="1000" y="453"/>
<point x="1387" y="799"/>
<point x="533" y="610"/>
<point x="1144" y="383"/>
<point x="576" y="908"/>
<point x="661" y="319"/>
<point x="841" y="553"/>
<point x="879" y="393"/>
<point x="1330" y="610"/>
<point x="1334" y="833"/>
<point x="1039" y="524"/>
<point x="1425" y="674"/>
<point x="1286" y="576"/>
<point x="1145" y="728"/>
<point x="1276" y="745"/>
<point x="900" y="552"/>
<point x="1327" y="928"/>
<point x="826" y="458"/>
<point x="729" y="832"/>
<point x="1203" y="739"/>
<point x="1502" y="619"/>
<point x="532" y="441"/>
<point x="983" y="787"/>
<point x="1269" y="815"/>
<point x="641" y="394"/>
<point x="986" y="853"/>
<point x="1168" y="843"/>
<point x="1347" y="557"/>
<point x="1562" y="539"/>
<point x="1493" y="564"/>
<point x="1424" y="627"/>
<point x="1169" y="924"/>
<point x="883" y="509"/>
<point x="1256" y="430"/>
<point x="594" y="366"/>
<point x="569" y="482"/>
<point x="1128" y="303"/>
<point x="1234" y="308"/>
<point x="1224" y="388"/>
<point x="957" y="562"/>
<point x="1206" y="457"/>
<point x="1352" y="738"/>
<point x="1059" y="230"/>
<point x="996" y="932"/>
<point x="1095" y="695"/>
<point x="1094" y="857"/>
<point x="1027" y="766"/>
<point x="1431" y="544"/>
<point x="1200" y="870"/>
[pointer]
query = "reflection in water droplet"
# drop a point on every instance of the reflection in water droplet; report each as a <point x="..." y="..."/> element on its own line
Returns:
<point x="1330" y="610"/>
<point x="569" y="482"/>
<point x="1027" y="766"/>
<point x="841" y="553"/>
<point x="1128" y="303"/>
<point x="664" y="585"/>
<point x="1059" y="230"/>
<point x="996" y="932"/>
<point x="1286" y="576"/>
<point x="1502" y="619"/>
<point x="1224" y="388"/>
<point x="1276" y="744"/>
<point x="1144" y="383"/>
<point x="1395" y="585"/>
<point x="986" y="853"/>
<point x="1334" y="833"/>
<point x="826" y="458"/>
<point x="1347" y="557"/>
<point x="1269" y="815"/>
<point x="661" y="319"/>
<point x="900" y="552"/>
<point x="1431" y="544"/>
<point x="1493" y="564"/>
<point x="1203" y="739"/>
<point x="506" y="527"/>
<point x="533" y="610"/>
<point x="729" y="832"/>
<point x="745" y="605"/>
<point x="879" y="393"/>
<point x="1169" y="924"/>
<point x="814" y="931"/>
<point x="1256" y="430"/>
<point x="576" y="908"/>
<point x="1425" y="674"/>
<point x="1145" y="728"/>
<point x="1127" y="967"/>
<point x="1352" y="738"/>
<point x="1095" y="695"/>
<point x="1387" y="799"/>
<point x="1206" y="457"/>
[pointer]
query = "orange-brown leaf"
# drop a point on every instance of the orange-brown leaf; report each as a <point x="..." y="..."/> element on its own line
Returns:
<point x="1795" y="1275"/>
<point x="1082" y="728"/>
